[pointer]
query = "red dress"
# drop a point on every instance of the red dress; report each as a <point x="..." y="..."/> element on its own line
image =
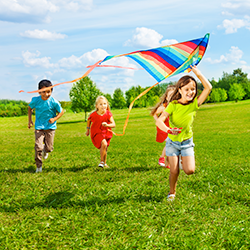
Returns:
<point x="97" y="131"/>
<point x="161" y="136"/>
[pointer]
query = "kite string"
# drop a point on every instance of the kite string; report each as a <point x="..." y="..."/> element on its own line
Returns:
<point x="130" y="107"/>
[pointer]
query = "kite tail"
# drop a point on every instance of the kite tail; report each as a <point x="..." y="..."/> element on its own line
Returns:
<point x="130" y="107"/>
<point x="75" y="80"/>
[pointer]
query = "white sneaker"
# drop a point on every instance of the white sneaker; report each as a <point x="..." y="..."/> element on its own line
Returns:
<point x="39" y="170"/>
<point x="180" y="163"/>
<point x="44" y="155"/>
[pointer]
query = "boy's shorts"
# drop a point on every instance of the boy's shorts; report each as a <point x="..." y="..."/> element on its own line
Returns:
<point x="175" y="148"/>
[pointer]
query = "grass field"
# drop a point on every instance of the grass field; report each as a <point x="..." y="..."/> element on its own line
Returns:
<point x="73" y="204"/>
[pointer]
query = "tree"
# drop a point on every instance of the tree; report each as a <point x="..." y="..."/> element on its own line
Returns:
<point x="218" y="95"/>
<point x="83" y="95"/>
<point x="118" y="100"/>
<point x="236" y="92"/>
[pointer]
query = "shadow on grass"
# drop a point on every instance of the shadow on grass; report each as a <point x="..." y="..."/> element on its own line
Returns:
<point x="29" y="169"/>
<point x="32" y="169"/>
<point x="81" y="121"/>
<point x="63" y="199"/>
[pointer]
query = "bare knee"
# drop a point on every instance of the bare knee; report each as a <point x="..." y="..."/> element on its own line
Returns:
<point x="104" y="144"/>
<point x="189" y="171"/>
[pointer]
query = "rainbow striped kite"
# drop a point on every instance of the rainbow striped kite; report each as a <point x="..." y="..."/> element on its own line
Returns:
<point x="169" y="60"/>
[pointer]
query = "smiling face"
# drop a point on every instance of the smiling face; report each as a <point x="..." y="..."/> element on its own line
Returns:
<point x="46" y="94"/>
<point x="188" y="92"/>
<point x="101" y="106"/>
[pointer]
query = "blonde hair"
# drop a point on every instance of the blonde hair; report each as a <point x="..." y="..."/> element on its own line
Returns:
<point x="163" y="99"/>
<point x="101" y="97"/>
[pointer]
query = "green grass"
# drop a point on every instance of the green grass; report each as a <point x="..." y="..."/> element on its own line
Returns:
<point x="75" y="205"/>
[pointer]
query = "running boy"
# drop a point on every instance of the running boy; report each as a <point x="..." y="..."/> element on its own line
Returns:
<point x="45" y="125"/>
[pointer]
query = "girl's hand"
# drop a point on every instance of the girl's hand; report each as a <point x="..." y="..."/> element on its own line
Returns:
<point x="87" y="133"/>
<point x="105" y="124"/>
<point x="195" y="70"/>
<point x="174" y="131"/>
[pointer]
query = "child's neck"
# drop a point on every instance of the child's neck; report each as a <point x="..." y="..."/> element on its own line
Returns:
<point x="101" y="112"/>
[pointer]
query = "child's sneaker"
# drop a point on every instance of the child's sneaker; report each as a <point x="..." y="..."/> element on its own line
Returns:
<point x="44" y="154"/>
<point x="161" y="161"/>
<point x="101" y="164"/>
<point x="171" y="197"/>
<point x="106" y="166"/>
<point x="39" y="170"/>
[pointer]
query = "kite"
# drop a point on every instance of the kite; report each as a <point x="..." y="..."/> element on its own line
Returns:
<point x="160" y="63"/>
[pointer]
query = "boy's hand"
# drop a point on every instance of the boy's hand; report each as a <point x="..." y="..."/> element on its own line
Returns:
<point x="30" y="124"/>
<point x="52" y="120"/>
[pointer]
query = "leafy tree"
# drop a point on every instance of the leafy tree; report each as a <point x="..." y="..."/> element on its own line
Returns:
<point x="109" y="98"/>
<point x="218" y="95"/>
<point x="83" y="95"/>
<point x="118" y="100"/>
<point x="236" y="92"/>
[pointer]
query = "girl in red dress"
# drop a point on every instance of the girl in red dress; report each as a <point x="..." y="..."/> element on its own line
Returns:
<point x="161" y="136"/>
<point x="100" y="131"/>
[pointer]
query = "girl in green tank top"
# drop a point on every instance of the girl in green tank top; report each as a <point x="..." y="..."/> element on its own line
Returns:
<point x="181" y="112"/>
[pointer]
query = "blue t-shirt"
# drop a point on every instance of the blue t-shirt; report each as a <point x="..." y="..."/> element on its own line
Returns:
<point x="45" y="110"/>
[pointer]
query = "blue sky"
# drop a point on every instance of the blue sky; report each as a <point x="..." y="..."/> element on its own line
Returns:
<point x="57" y="39"/>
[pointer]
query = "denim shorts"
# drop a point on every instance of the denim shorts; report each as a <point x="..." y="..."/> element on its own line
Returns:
<point x="175" y="148"/>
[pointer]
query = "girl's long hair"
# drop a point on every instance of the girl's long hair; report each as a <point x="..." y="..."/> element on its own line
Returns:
<point x="183" y="81"/>
<point x="163" y="99"/>
<point x="99" y="98"/>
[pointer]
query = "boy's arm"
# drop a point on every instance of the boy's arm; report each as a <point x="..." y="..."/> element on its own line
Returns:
<point x="30" y="123"/>
<point x="52" y="120"/>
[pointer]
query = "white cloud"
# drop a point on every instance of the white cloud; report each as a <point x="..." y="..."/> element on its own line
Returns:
<point x="33" y="60"/>
<point x="147" y="38"/>
<point x="38" y="10"/>
<point x="231" y="26"/>
<point x="84" y="60"/>
<point x="234" y="57"/>
<point x="236" y="7"/>
<point x="42" y="34"/>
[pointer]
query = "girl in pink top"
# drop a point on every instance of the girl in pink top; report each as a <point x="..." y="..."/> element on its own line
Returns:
<point x="99" y="127"/>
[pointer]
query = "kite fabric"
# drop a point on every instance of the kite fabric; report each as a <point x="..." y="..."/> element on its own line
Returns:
<point x="169" y="60"/>
<point x="160" y="63"/>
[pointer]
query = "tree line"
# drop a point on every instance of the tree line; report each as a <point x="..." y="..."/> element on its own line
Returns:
<point x="230" y="87"/>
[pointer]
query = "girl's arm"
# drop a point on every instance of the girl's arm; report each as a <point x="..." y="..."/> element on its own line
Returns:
<point x="206" y="84"/>
<point x="30" y="123"/>
<point x="88" y="127"/>
<point x="111" y="124"/>
<point x="161" y="125"/>
<point x="52" y="120"/>
<point x="158" y="111"/>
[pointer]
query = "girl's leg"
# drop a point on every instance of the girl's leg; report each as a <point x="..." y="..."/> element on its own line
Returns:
<point x="188" y="164"/>
<point x="103" y="150"/>
<point x="163" y="153"/>
<point x="174" y="173"/>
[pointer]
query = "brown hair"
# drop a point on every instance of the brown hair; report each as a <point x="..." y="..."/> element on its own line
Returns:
<point x="99" y="98"/>
<point x="163" y="99"/>
<point x="183" y="81"/>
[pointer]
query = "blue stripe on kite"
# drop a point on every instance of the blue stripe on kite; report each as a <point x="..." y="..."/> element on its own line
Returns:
<point x="147" y="66"/>
<point x="171" y="59"/>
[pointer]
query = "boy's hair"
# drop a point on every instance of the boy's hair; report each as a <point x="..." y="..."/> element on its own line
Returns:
<point x="99" y="98"/>
<point x="183" y="81"/>
<point x="44" y="83"/>
<point x="163" y="99"/>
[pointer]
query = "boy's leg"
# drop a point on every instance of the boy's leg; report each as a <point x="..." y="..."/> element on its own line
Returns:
<point x="39" y="138"/>
<point x="188" y="164"/>
<point x="49" y="140"/>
